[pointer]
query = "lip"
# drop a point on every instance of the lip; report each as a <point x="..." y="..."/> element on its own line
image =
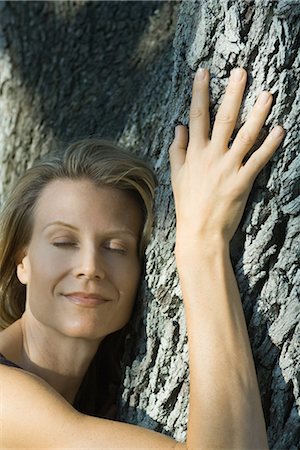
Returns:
<point x="87" y="299"/>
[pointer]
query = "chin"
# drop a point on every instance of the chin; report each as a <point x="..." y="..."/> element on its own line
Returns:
<point x="89" y="331"/>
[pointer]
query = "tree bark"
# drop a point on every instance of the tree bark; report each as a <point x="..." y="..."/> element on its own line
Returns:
<point x="124" y="70"/>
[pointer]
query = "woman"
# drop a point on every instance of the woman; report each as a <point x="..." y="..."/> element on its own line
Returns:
<point x="127" y="185"/>
<point x="80" y="262"/>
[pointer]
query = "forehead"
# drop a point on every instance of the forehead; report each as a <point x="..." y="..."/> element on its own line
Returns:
<point x="84" y="204"/>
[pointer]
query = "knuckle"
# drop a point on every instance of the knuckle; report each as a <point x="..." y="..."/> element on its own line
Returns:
<point x="246" y="138"/>
<point x="196" y="113"/>
<point x="233" y="89"/>
<point x="224" y="118"/>
<point x="176" y="147"/>
<point x="256" y="162"/>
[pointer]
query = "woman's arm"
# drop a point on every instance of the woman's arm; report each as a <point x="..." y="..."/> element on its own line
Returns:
<point x="35" y="416"/>
<point x="211" y="186"/>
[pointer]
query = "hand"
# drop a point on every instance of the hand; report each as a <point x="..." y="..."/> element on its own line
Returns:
<point x="210" y="182"/>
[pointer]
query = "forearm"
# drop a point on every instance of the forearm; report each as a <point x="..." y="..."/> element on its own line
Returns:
<point x="211" y="183"/>
<point x="225" y="408"/>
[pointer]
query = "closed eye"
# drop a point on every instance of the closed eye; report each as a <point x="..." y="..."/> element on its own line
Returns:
<point x="121" y="251"/>
<point x="64" y="244"/>
<point x="115" y="247"/>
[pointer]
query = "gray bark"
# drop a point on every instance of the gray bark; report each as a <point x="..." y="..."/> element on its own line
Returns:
<point x="124" y="70"/>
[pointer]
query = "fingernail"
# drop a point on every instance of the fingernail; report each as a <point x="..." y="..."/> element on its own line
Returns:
<point x="201" y="73"/>
<point x="263" y="98"/>
<point x="236" y="75"/>
<point x="278" y="131"/>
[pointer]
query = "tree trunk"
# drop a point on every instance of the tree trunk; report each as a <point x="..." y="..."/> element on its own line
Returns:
<point x="124" y="70"/>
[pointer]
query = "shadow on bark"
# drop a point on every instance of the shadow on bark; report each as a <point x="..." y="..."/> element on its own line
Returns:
<point x="84" y="63"/>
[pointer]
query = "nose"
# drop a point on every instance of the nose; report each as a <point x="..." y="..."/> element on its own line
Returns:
<point x="89" y="264"/>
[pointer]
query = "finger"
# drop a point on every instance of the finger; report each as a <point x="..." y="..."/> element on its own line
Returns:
<point x="249" y="132"/>
<point x="228" y="112"/>
<point x="199" y="110"/>
<point x="260" y="157"/>
<point x="177" y="150"/>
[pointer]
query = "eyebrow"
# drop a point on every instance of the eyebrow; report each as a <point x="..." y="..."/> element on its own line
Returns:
<point x="61" y="223"/>
<point x="74" y="228"/>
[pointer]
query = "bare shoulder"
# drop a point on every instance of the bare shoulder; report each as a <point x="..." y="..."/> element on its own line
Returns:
<point x="27" y="400"/>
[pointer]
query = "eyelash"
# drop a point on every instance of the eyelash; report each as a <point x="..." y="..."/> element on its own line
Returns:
<point x="64" y="244"/>
<point x="121" y="251"/>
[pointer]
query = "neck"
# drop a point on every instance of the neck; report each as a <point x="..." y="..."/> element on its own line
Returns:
<point x="60" y="360"/>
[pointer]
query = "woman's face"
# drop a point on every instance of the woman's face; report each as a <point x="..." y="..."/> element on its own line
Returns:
<point x="81" y="267"/>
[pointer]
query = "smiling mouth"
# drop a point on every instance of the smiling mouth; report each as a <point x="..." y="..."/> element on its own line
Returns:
<point x="85" y="299"/>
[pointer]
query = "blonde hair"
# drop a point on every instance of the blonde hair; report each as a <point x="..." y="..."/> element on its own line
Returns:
<point x="98" y="160"/>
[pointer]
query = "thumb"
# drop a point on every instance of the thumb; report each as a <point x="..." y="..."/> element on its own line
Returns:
<point x="177" y="150"/>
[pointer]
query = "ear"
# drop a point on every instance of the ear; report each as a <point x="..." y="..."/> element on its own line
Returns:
<point x="23" y="268"/>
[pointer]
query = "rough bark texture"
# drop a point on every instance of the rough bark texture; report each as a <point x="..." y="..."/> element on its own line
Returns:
<point x="124" y="70"/>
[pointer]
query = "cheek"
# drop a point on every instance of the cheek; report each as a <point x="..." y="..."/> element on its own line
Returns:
<point x="46" y="273"/>
<point x="47" y="263"/>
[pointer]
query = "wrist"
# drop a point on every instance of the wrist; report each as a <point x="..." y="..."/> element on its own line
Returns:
<point x="207" y="250"/>
<point x="204" y="242"/>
